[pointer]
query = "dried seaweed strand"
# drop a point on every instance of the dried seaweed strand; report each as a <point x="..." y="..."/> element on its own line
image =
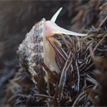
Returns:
<point x="63" y="76"/>
<point x="56" y="50"/>
<point x="101" y="41"/>
<point x="65" y="42"/>
<point x="62" y="50"/>
<point x="45" y="96"/>
<point x="76" y="64"/>
<point x="80" y="95"/>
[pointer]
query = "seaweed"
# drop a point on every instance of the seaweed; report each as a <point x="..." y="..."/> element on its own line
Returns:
<point x="82" y="63"/>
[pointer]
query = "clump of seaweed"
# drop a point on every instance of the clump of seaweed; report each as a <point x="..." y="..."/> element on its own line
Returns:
<point x="81" y="80"/>
<point x="87" y="15"/>
<point x="98" y="94"/>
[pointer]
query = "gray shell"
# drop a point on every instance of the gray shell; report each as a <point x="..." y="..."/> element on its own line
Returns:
<point x="31" y="55"/>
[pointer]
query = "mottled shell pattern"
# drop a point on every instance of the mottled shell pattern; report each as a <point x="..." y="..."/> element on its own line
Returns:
<point x="31" y="55"/>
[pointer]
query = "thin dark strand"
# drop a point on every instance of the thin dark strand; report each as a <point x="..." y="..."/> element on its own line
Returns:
<point x="45" y="96"/>
<point x="89" y="95"/>
<point x="81" y="48"/>
<point x="82" y="97"/>
<point x="69" y="39"/>
<point x="101" y="41"/>
<point x="77" y="68"/>
<point x="86" y="54"/>
<point x="94" y="30"/>
<point x="90" y="54"/>
<point x="61" y="54"/>
<point x="69" y="43"/>
<point x="56" y="92"/>
<point x="80" y="41"/>
<point x="85" y="38"/>
<point x="89" y="36"/>
<point x="82" y="65"/>
<point x="76" y="101"/>
<point x="59" y="60"/>
<point x="11" y="98"/>
<point x="97" y="46"/>
<point x="69" y="49"/>
<point x="100" y="35"/>
<point x="58" y="63"/>
<point x="89" y="61"/>
<point x="62" y="51"/>
<point x="46" y="68"/>
<point x="63" y="77"/>
<point x="85" y="84"/>
<point x="92" y="80"/>
<point x="90" y="66"/>
<point x="78" y="73"/>
<point x="56" y="49"/>
<point x="65" y="42"/>
<point x="31" y="89"/>
<point x="87" y="49"/>
<point x="68" y="67"/>
<point x="101" y="50"/>
<point x="88" y="43"/>
<point x="52" y="103"/>
<point x="87" y="57"/>
<point x="71" y="69"/>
